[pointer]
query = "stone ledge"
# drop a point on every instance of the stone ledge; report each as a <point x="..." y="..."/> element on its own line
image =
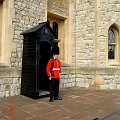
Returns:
<point x="90" y="70"/>
<point x="98" y="70"/>
<point x="6" y="71"/>
<point x="63" y="64"/>
<point x="67" y="68"/>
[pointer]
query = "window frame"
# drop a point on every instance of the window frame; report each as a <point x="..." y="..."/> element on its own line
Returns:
<point x="116" y="43"/>
<point x="60" y="35"/>
<point x="112" y="44"/>
<point x="65" y="39"/>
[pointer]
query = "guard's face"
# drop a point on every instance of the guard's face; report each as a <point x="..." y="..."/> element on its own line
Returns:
<point x="55" y="56"/>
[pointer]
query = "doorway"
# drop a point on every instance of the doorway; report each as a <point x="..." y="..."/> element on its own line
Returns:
<point x="44" y="54"/>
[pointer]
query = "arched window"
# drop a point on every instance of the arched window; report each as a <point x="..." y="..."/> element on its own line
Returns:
<point x="113" y="43"/>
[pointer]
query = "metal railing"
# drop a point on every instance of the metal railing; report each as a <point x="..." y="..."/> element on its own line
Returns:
<point x="108" y="116"/>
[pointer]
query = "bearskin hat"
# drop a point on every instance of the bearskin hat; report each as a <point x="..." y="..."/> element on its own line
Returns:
<point x="55" y="50"/>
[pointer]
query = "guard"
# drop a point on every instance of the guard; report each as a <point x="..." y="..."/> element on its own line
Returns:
<point x="53" y="71"/>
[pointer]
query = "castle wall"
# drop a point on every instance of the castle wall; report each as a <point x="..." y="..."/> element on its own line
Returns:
<point x="84" y="41"/>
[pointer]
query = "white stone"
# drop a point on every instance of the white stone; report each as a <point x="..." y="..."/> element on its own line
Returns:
<point x="12" y="93"/>
<point x="15" y="80"/>
<point x="1" y="94"/>
<point x="73" y="84"/>
<point x="105" y="87"/>
<point x="1" y="81"/>
<point x="7" y="93"/>
<point x="17" y="92"/>
<point x="7" y="81"/>
<point x="2" y="87"/>
<point x="118" y="86"/>
<point x="113" y="86"/>
<point x="15" y="86"/>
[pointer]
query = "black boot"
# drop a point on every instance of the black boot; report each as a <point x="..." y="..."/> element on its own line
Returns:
<point x="57" y="98"/>
<point x="51" y="100"/>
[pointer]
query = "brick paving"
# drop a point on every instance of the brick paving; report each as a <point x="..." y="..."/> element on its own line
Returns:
<point x="77" y="104"/>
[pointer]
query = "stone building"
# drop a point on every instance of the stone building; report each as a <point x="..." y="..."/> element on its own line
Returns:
<point x="89" y="34"/>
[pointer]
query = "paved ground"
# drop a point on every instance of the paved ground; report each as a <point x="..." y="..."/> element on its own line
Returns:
<point x="77" y="104"/>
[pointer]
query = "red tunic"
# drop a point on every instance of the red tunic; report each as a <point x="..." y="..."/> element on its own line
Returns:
<point x="53" y="68"/>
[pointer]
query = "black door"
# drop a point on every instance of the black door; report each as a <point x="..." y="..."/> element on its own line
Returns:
<point x="44" y="51"/>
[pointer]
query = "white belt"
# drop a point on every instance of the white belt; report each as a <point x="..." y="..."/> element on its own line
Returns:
<point x="56" y="69"/>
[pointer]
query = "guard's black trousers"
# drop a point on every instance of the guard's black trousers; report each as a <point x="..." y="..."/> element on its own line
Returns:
<point x="54" y="88"/>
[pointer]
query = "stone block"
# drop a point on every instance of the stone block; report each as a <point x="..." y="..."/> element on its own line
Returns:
<point x="2" y="94"/>
<point x="118" y="86"/>
<point x="85" y="85"/>
<point x="12" y="93"/>
<point x="1" y="81"/>
<point x="15" y="86"/>
<point x="7" y="93"/>
<point x="7" y="81"/>
<point x="15" y="80"/>
<point x="113" y="86"/>
<point x="17" y="92"/>
<point x="7" y="87"/>
<point x="2" y="87"/>
<point x="73" y="84"/>
<point x="105" y="87"/>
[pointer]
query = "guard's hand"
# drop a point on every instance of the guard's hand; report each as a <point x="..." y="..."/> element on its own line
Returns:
<point x="49" y="78"/>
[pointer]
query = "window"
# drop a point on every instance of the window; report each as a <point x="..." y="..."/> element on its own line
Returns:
<point x="55" y="28"/>
<point x="113" y="44"/>
<point x="58" y="28"/>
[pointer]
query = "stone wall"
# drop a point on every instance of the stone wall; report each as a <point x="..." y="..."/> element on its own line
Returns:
<point x="58" y="7"/>
<point x="10" y="81"/>
<point x="9" y="86"/>
<point x="108" y="77"/>
<point x="85" y="32"/>
<point x="84" y="53"/>
<point x="98" y="77"/>
<point x="93" y="19"/>
<point x="73" y="2"/>
<point x="67" y="76"/>
<point x="108" y="14"/>
<point x="84" y="77"/>
<point x="28" y="13"/>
